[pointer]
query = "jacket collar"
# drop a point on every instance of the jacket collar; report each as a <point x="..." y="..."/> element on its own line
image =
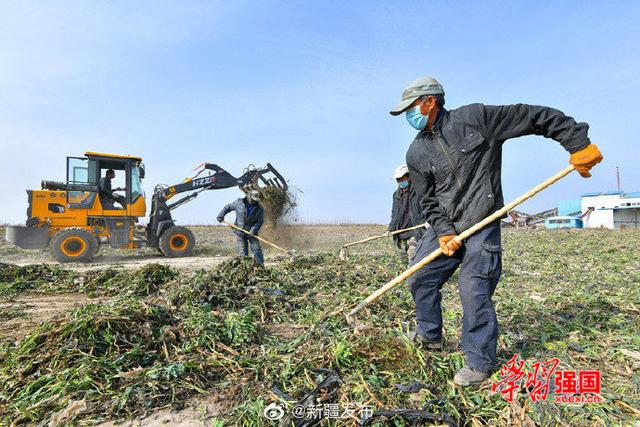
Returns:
<point x="441" y="120"/>
<point x="440" y="117"/>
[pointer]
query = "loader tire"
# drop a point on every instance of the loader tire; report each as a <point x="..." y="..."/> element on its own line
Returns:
<point x="74" y="245"/>
<point x="96" y="248"/>
<point x="177" y="242"/>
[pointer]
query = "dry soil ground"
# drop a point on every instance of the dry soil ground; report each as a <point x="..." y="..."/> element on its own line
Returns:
<point x="213" y="245"/>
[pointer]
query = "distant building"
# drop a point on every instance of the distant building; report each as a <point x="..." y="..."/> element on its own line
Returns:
<point x="609" y="209"/>
<point x="612" y="209"/>
<point x="562" y="221"/>
<point x="571" y="207"/>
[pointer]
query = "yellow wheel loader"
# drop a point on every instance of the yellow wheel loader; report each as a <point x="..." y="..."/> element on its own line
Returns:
<point x="75" y="217"/>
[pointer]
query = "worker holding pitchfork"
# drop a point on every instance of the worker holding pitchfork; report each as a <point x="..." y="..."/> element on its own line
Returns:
<point x="455" y="168"/>
<point x="401" y="216"/>
<point x="249" y="220"/>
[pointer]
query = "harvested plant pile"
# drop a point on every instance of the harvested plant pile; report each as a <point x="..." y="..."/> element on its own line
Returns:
<point x="51" y="279"/>
<point x="16" y="279"/>
<point x="258" y="335"/>
<point x="277" y="204"/>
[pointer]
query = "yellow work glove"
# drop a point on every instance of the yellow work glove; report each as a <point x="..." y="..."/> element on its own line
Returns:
<point x="585" y="159"/>
<point x="448" y="246"/>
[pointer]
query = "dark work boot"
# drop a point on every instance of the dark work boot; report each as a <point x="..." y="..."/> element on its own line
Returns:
<point x="467" y="376"/>
<point x="423" y="343"/>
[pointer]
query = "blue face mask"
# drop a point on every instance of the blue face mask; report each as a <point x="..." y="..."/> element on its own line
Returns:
<point x="416" y="118"/>
<point x="404" y="184"/>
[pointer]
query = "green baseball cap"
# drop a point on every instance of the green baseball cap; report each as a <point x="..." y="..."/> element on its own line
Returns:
<point x="417" y="88"/>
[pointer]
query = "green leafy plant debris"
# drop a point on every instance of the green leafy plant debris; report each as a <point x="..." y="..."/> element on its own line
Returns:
<point x="258" y="334"/>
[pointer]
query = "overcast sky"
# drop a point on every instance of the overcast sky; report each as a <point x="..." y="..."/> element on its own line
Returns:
<point x="306" y="86"/>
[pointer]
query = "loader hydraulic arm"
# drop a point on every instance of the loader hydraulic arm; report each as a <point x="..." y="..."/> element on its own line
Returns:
<point x="252" y="178"/>
<point x="213" y="181"/>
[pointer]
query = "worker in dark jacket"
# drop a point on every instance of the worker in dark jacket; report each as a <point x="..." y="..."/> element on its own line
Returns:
<point x="455" y="165"/>
<point x="249" y="217"/>
<point x="401" y="217"/>
<point x="107" y="196"/>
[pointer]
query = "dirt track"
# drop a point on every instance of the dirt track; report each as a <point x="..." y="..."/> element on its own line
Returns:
<point x="26" y="312"/>
<point x="188" y="263"/>
<point x="214" y="244"/>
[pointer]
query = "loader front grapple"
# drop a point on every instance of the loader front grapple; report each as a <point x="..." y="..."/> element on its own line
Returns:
<point x="259" y="178"/>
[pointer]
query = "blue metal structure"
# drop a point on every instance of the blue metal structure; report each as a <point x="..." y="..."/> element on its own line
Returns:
<point x="570" y="207"/>
<point x="562" y="221"/>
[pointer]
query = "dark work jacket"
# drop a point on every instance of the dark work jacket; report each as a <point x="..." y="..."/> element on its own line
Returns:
<point x="104" y="188"/>
<point x="401" y="214"/>
<point x="251" y="223"/>
<point x="455" y="167"/>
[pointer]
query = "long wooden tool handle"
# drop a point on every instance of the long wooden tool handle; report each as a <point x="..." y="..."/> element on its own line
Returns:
<point x="368" y="239"/>
<point x="435" y="254"/>
<point x="257" y="237"/>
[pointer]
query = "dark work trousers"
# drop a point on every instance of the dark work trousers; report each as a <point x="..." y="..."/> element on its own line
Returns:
<point x="480" y="261"/>
<point x="244" y="242"/>
<point x="108" y="203"/>
<point x="121" y="200"/>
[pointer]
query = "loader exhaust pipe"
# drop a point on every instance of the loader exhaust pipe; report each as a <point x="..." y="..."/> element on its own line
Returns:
<point x="63" y="186"/>
<point x="53" y="185"/>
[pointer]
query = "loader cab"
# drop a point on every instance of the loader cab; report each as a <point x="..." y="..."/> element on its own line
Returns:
<point x="83" y="184"/>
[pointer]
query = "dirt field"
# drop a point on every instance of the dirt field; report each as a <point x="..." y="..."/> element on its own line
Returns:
<point x="213" y="245"/>
<point x="567" y="294"/>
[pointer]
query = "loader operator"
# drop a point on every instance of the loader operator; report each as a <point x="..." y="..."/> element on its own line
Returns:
<point x="106" y="193"/>
<point x="455" y="164"/>
<point x="249" y="217"/>
<point x="401" y="217"/>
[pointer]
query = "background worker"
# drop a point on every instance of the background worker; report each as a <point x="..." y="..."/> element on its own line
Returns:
<point x="106" y="194"/>
<point x="455" y="167"/>
<point x="401" y="216"/>
<point x="249" y="217"/>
